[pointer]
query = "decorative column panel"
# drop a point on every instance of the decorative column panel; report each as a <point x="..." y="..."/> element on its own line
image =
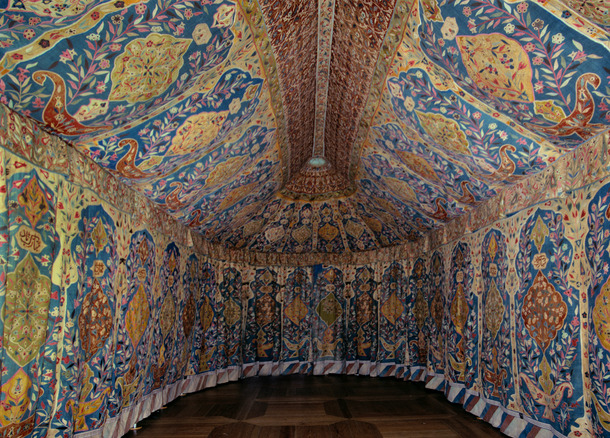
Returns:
<point x="230" y="324"/>
<point x="328" y="326"/>
<point x="28" y="213"/>
<point x="191" y="322"/>
<point x="361" y="353"/>
<point x="547" y="322"/>
<point x="496" y="352"/>
<point x="263" y="334"/>
<point x="437" y="340"/>
<point x="463" y="320"/>
<point x="94" y="307"/>
<point x="392" y="320"/>
<point x="418" y="311"/>
<point x="598" y="310"/>
<point x="297" y="320"/>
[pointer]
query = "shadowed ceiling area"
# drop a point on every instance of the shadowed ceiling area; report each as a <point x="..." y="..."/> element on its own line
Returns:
<point x="296" y="126"/>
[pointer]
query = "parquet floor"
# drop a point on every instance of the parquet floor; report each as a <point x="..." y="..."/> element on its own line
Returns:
<point x="314" y="407"/>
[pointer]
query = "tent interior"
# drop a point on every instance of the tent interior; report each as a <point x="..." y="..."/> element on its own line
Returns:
<point x="197" y="191"/>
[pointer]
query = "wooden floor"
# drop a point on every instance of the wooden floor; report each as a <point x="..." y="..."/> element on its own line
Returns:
<point x="314" y="407"/>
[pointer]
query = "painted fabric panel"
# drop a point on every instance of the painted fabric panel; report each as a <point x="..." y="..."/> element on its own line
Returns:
<point x="138" y="306"/>
<point x="418" y="314"/>
<point x="165" y="311"/>
<point x="461" y="349"/>
<point x="190" y="321"/>
<point x="229" y="342"/>
<point x="95" y="307"/>
<point x="496" y="356"/>
<point x="438" y="314"/>
<point x="263" y="319"/>
<point x="208" y="320"/>
<point x="27" y="297"/>
<point x="297" y="317"/>
<point x="547" y="323"/>
<point x="392" y="317"/>
<point x="363" y="317"/>
<point x="329" y="324"/>
<point x="598" y="256"/>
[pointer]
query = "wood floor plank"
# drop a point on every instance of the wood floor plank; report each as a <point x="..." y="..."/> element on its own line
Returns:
<point x="314" y="407"/>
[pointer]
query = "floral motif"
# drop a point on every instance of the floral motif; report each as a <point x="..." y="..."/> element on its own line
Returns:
<point x="265" y="310"/>
<point x="94" y="321"/>
<point x="329" y="309"/>
<point x="328" y="232"/>
<point x="392" y="308"/>
<point x="15" y="399"/>
<point x="56" y="8"/>
<point x="33" y="201"/>
<point x="601" y="316"/>
<point x="498" y="65"/>
<point x="232" y="312"/>
<point x="494" y="310"/>
<point x="296" y="310"/>
<point x="224" y="172"/>
<point x="419" y="165"/>
<point x="143" y="250"/>
<point x="594" y="10"/>
<point x="445" y="132"/>
<point x="364" y="307"/>
<point x="539" y="233"/>
<point x="450" y="28"/>
<point x="206" y="314"/>
<point x="544" y="311"/>
<point x="201" y="34"/>
<point x="224" y="16"/>
<point x="138" y="315"/>
<point x="437" y="309"/>
<point x="420" y="310"/>
<point x="99" y="237"/>
<point x="167" y="317"/>
<point x="188" y="317"/>
<point x="147" y="67"/>
<point x="549" y="110"/>
<point x="25" y="311"/>
<point x="197" y="133"/>
<point x="459" y="310"/>
<point x="492" y="247"/>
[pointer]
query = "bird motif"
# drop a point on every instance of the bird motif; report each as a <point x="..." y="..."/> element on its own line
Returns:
<point x="549" y="397"/>
<point x="196" y="220"/>
<point x="460" y="362"/>
<point x="578" y="120"/>
<point x="126" y="165"/>
<point x="507" y="167"/>
<point x="172" y="200"/>
<point x="496" y="375"/>
<point x="466" y="197"/>
<point x="294" y="347"/>
<point x="55" y="113"/>
<point x="390" y="348"/>
<point x="441" y="212"/>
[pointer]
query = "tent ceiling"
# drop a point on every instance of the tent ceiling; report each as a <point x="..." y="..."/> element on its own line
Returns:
<point x="214" y="109"/>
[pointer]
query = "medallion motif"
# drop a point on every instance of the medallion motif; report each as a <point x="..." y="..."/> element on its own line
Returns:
<point x="26" y="309"/>
<point x="544" y="311"/>
<point x="147" y="67"/>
